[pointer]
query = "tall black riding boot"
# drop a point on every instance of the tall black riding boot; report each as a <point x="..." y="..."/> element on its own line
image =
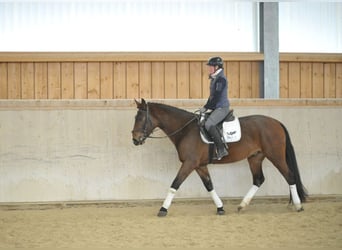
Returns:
<point x="221" y="149"/>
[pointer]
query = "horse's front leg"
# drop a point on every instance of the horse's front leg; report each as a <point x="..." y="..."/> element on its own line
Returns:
<point x="203" y="172"/>
<point x="186" y="168"/>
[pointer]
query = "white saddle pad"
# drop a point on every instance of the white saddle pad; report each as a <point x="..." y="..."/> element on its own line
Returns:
<point x="231" y="131"/>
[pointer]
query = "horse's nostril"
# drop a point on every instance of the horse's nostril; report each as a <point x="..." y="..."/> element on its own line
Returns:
<point x="138" y="141"/>
<point x="135" y="141"/>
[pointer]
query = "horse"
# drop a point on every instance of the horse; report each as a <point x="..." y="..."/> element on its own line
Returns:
<point x="261" y="137"/>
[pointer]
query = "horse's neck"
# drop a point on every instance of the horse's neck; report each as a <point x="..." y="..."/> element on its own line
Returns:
<point x="169" y="118"/>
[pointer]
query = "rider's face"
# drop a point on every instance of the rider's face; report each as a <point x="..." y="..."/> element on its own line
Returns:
<point x="211" y="69"/>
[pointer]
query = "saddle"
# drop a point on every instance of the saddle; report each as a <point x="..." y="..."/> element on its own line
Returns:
<point x="229" y="128"/>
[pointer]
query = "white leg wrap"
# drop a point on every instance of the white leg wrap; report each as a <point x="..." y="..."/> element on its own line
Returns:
<point x="249" y="196"/>
<point x="216" y="199"/>
<point x="169" y="198"/>
<point x="295" y="197"/>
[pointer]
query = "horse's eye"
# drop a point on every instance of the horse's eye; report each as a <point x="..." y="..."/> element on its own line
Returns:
<point x="140" y="118"/>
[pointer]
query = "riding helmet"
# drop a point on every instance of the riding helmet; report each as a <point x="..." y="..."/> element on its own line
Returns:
<point x="215" y="61"/>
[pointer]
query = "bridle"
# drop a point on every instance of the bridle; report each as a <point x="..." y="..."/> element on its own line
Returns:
<point x="149" y="122"/>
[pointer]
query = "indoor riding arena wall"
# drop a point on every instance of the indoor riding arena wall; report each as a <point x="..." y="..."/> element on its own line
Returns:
<point x="82" y="150"/>
<point x="66" y="121"/>
<point x="160" y="75"/>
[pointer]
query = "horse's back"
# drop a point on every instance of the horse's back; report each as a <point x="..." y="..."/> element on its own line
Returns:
<point x="258" y="120"/>
<point x="261" y="127"/>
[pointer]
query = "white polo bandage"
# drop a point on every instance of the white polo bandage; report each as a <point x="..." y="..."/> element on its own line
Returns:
<point x="295" y="197"/>
<point x="249" y="196"/>
<point x="216" y="199"/>
<point x="169" y="198"/>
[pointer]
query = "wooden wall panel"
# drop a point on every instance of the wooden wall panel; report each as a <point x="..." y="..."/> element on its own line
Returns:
<point x="305" y="80"/>
<point x="317" y="80"/>
<point x="27" y="80"/>
<point x="81" y="80"/>
<point x="294" y="80"/>
<point x="145" y="80"/>
<point x="14" y="80"/>
<point x="158" y="87"/>
<point x="339" y="80"/>
<point x="106" y="80"/>
<point x="206" y="80"/>
<point x="255" y="80"/>
<point x="329" y="80"/>
<point x="3" y="81"/>
<point x="54" y="80"/>
<point x="195" y="80"/>
<point x="170" y="80"/>
<point x="94" y="80"/>
<point x="245" y="76"/>
<point x="233" y="75"/>
<point x="40" y="80"/>
<point x="160" y="75"/>
<point x="284" y="80"/>
<point x="183" y="82"/>
<point x="132" y="80"/>
<point x="67" y="80"/>
<point x="120" y="80"/>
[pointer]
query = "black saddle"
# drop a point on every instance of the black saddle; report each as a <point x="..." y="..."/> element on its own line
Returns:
<point x="205" y="133"/>
<point x="228" y="118"/>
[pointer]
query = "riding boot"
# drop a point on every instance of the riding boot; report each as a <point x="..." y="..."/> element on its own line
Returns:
<point x="221" y="149"/>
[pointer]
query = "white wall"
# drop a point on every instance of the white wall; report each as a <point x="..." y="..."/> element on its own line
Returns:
<point x="83" y="151"/>
<point x="128" y="25"/>
<point x="310" y="26"/>
<point x="164" y="25"/>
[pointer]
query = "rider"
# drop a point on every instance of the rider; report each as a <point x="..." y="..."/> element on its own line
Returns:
<point x="217" y="104"/>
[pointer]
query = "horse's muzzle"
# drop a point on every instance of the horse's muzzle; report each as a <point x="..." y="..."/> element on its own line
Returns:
<point x="139" y="141"/>
<point x="138" y="138"/>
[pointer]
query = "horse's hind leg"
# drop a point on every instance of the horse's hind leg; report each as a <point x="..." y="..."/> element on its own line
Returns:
<point x="255" y="164"/>
<point x="203" y="172"/>
<point x="283" y="168"/>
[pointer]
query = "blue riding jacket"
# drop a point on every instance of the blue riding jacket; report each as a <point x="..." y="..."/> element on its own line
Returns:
<point x="218" y="92"/>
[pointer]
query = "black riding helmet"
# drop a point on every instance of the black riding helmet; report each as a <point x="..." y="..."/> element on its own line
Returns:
<point x="215" y="61"/>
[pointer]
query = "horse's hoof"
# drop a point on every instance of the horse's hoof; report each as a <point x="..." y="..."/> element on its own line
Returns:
<point x="220" y="211"/>
<point x="300" y="209"/>
<point x="239" y="208"/>
<point x="162" y="212"/>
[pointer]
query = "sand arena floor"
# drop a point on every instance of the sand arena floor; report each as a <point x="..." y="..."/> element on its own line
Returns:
<point x="190" y="223"/>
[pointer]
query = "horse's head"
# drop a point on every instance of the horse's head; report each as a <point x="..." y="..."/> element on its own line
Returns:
<point x="143" y="125"/>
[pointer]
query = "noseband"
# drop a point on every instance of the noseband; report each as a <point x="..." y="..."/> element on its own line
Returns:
<point x="147" y="122"/>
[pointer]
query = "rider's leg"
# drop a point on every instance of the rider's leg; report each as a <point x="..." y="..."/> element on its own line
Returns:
<point x="215" y="117"/>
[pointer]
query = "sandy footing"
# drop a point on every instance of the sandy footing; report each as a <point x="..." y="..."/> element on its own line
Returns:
<point x="188" y="224"/>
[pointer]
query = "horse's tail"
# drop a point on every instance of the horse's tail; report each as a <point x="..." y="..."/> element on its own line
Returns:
<point x="292" y="163"/>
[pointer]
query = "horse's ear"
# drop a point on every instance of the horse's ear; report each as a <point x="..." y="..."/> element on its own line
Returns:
<point x="137" y="103"/>
<point x="142" y="104"/>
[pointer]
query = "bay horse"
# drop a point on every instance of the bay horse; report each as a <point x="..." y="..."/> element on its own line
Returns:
<point x="261" y="137"/>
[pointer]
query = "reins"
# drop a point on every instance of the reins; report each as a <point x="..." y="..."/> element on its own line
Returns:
<point x="174" y="132"/>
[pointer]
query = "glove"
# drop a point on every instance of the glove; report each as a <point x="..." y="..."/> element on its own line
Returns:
<point x="203" y="110"/>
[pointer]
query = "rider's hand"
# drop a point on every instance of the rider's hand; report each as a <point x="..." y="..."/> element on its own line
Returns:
<point x="203" y="110"/>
